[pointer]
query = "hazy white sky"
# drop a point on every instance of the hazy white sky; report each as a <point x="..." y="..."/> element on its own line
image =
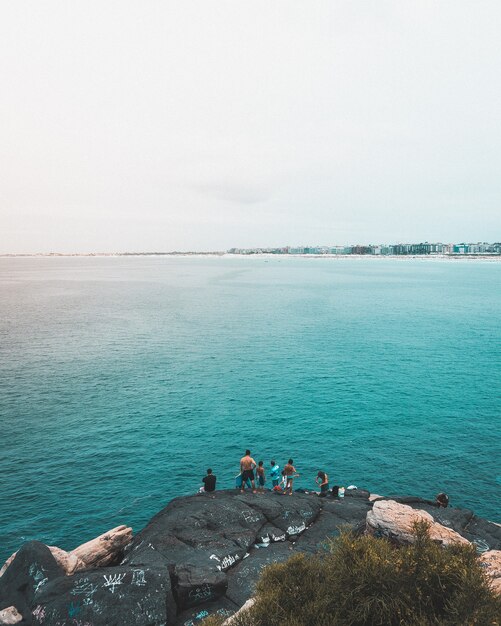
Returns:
<point x="207" y="124"/>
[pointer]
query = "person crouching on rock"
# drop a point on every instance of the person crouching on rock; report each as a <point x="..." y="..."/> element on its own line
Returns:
<point x="247" y="465"/>
<point x="323" y="480"/>
<point x="289" y="474"/>
<point x="209" y="481"/>
<point x="442" y="500"/>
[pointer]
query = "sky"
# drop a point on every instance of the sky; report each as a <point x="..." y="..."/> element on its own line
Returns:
<point x="160" y="125"/>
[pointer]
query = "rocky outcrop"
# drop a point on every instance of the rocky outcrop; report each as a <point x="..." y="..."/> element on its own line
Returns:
<point x="32" y="568"/>
<point x="10" y="615"/>
<point x="105" y="549"/>
<point x="111" y="596"/>
<point x="491" y="560"/>
<point x="202" y="555"/>
<point x="396" y="521"/>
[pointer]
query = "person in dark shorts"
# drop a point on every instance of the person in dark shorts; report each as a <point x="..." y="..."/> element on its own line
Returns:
<point x="323" y="480"/>
<point x="247" y="465"/>
<point x="261" y="478"/>
<point x="209" y="481"/>
<point x="274" y="473"/>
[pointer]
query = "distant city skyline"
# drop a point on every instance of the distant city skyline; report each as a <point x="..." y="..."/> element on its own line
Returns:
<point x="397" y="249"/>
<point x="201" y="126"/>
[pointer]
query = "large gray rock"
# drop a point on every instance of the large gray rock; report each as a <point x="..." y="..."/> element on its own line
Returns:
<point x="202" y="556"/>
<point x="337" y="514"/>
<point x="107" y="597"/>
<point x="32" y="568"/>
<point x="200" y="538"/>
<point x="243" y="577"/>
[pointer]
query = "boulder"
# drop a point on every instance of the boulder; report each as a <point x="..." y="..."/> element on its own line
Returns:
<point x="107" y="597"/>
<point x="197" y="539"/>
<point x="68" y="561"/>
<point x="243" y="577"/>
<point x="107" y="549"/>
<point x="395" y="521"/>
<point x="290" y="514"/>
<point x="194" y="585"/>
<point x="10" y="615"/>
<point x="349" y="513"/>
<point x="491" y="560"/>
<point x="30" y="570"/>
<point x="104" y="550"/>
<point x="357" y="493"/>
<point x="484" y="534"/>
<point x="7" y="563"/>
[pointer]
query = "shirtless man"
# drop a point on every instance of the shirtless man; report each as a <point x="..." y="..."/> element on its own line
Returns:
<point x="289" y="473"/>
<point x="247" y="465"/>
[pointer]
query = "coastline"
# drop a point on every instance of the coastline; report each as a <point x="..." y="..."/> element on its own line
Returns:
<point x="264" y="255"/>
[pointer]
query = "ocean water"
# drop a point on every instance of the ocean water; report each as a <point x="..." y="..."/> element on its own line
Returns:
<point x="123" y="379"/>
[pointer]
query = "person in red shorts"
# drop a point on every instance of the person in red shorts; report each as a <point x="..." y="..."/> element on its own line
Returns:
<point x="289" y="474"/>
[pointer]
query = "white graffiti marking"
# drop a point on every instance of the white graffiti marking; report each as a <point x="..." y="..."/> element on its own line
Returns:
<point x="38" y="575"/>
<point x="41" y="584"/>
<point x="86" y="589"/>
<point x="229" y="560"/>
<point x="138" y="577"/>
<point x="113" y="580"/>
<point x="226" y="562"/>
<point x="250" y="517"/>
<point x="295" y="530"/>
<point x="39" y="613"/>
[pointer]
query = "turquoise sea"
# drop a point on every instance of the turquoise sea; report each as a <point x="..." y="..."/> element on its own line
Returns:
<point x="123" y="378"/>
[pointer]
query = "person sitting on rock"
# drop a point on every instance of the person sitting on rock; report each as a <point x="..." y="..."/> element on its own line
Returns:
<point x="274" y="473"/>
<point x="247" y="465"/>
<point x="323" y="480"/>
<point x="442" y="500"/>
<point x="209" y="481"/>
<point x="289" y="474"/>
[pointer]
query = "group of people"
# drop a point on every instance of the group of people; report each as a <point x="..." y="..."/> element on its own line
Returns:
<point x="251" y="473"/>
<point x="282" y="481"/>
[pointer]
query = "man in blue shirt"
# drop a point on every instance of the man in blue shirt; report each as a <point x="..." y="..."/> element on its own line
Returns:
<point x="275" y="473"/>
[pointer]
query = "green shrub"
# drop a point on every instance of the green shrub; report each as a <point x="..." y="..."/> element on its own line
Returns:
<point x="364" y="581"/>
